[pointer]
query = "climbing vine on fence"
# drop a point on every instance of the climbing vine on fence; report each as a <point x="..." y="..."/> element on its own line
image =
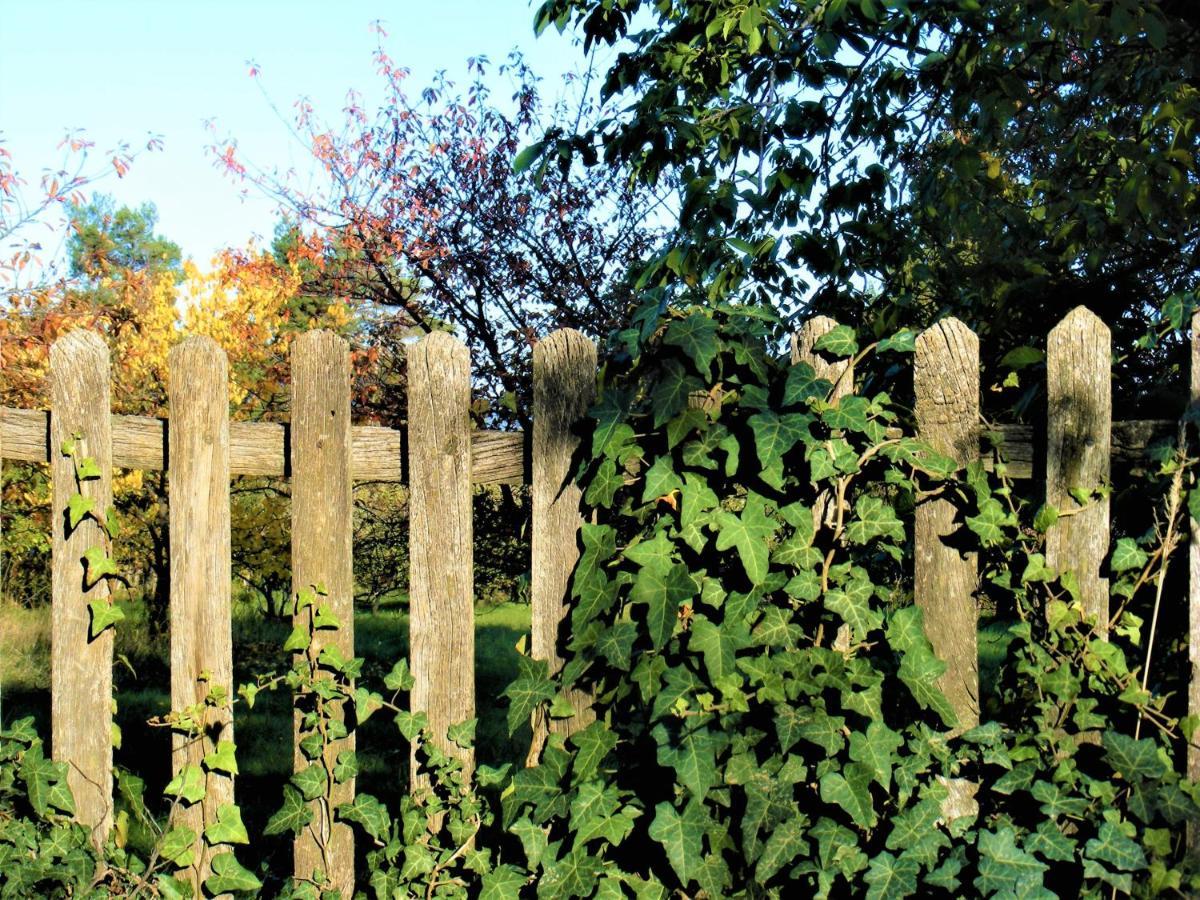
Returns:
<point x="766" y="719"/>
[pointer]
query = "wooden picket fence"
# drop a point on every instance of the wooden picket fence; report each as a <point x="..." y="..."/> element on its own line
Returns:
<point x="440" y="458"/>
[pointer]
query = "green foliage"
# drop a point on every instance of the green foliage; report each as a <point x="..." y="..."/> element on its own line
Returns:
<point x="881" y="162"/>
<point x="769" y="716"/>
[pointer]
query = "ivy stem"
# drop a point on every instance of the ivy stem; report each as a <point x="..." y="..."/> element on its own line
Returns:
<point x="1170" y="540"/>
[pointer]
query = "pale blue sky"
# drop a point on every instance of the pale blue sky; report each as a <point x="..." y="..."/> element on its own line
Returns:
<point x="124" y="68"/>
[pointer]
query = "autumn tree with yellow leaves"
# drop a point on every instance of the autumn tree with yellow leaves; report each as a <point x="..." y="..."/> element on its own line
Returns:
<point x="129" y="285"/>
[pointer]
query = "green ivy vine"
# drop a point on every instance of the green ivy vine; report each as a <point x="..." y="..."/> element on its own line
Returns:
<point x="767" y="716"/>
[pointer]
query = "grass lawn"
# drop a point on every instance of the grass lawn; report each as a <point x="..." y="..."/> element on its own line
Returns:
<point x="263" y="733"/>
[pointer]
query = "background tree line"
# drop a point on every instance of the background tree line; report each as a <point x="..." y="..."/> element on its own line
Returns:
<point x="422" y="223"/>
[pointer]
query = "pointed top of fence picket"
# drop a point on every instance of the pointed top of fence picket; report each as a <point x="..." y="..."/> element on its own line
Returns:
<point x="318" y="339"/>
<point x="806" y="335"/>
<point x="563" y="344"/>
<point x="1080" y="320"/>
<point x="950" y="332"/>
<point x="80" y="341"/>
<point x="197" y="345"/>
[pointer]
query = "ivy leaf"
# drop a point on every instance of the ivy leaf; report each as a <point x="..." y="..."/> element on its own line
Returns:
<point x="785" y="844"/>
<point x="88" y="469"/>
<point x="903" y="341"/>
<point x="656" y="552"/>
<point x="229" y="875"/>
<point x="749" y="532"/>
<point x="311" y="781"/>
<point x="876" y="749"/>
<point x="989" y="523"/>
<point x="78" y="508"/>
<point x="324" y="618"/>
<point x="839" y="341"/>
<point x="399" y="678"/>
<point x="693" y="756"/>
<point x="1134" y="759"/>
<point x="718" y="644"/>
<point x="188" y="785"/>
<point x="604" y="485"/>
<point x="104" y="614"/>
<point x="848" y="414"/>
<point x="915" y="833"/>
<point x="368" y="812"/>
<point x="463" y="733"/>
<point x="228" y="829"/>
<point x="345" y="767"/>
<point x="852" y="792"/>
<point x="611" y="430"/>
<point x="874" y="518"/>
<point x="595" y="813"/>
<point x="592" y="745"/>
<point x="366" y="703"/>
<point x="222" y="759"/>
<point x="292" y="816"/>
<point x="502" y="883"/>
<point x="46" y="782"/>
<point x="852" y="601"/>
<point x="1005" y="866"/>
<point x="671" y="391"/>
<point x="891" y="877"/>
<point x="178" y="846"/>
<point x="802" y="384"/>
<point x="98" y="565"/>
<point x="920" y="669"/>
<point x="527" y="693"/>
<point x="1115" y="849"/>
<point x="615" y="644"/>
<point x="775" y="434"/>
<point x="1127" y="555"/>
<point x="540" y="787"/>
<point x="661" y="480"/>
<point x="697" y="337"/>
<point x="298" y="640"/>
<point x="572" y="876"/>
<point x="662" y="590"/>
<point x="533" y="840"/>
<point x="681" y="836"/>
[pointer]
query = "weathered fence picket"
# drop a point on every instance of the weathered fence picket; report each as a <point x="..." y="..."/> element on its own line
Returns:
<point x="322" y="528"/>
<point x="440" y="458"/>
<point x="946" y="385"/>
<point x="200" y="614"/>
<point x="838" y="372"/>
<point x="80" y="665"/>
<point x="441" y="591"/>
<point x="1078" y="435"/>
<point x="564" y="378"/>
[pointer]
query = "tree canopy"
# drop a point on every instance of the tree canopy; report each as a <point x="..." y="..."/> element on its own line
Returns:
<point x="892" y="162"/>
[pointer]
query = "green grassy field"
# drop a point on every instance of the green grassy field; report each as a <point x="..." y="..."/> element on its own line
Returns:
<point x="263" y="733"/>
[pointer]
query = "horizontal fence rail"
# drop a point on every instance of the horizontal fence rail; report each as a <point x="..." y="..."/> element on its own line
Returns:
<point x="497" y="457"/>
<point x="442" y="456"/>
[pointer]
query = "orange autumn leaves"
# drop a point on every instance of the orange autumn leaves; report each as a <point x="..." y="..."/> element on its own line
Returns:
<point x="243" y="302"/>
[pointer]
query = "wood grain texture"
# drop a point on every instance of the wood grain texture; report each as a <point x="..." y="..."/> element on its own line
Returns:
<point x="201" y="640"/>
<point x="498" y="457"/>
<point x="441" y="543"/>
<point x="564" y="386"/>
<point x="1078" y="442"/>
<point x="836" y="371"/>
<point x="1193" y="751"/>
<point x="80" y="667"/>
<point x="322" y="530"/>
<point x="946" y="385"/>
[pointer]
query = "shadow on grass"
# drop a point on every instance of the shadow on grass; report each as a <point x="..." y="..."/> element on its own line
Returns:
<point x="263" y="732"/>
